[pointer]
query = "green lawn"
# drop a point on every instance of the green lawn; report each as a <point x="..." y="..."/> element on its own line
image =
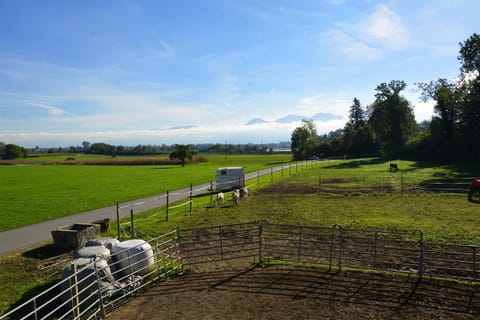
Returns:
<point x="31" y="194"/>
<point x="352" y="199"/>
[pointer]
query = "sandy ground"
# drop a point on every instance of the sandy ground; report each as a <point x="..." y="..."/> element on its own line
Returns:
<point x="226" y="291"/>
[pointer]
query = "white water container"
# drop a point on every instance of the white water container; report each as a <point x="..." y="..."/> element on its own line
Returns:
<point x="86" y="282"/>
<point x="109" y="243"/>
<point x="133" y="257"/>
<point x="95" y="253"/>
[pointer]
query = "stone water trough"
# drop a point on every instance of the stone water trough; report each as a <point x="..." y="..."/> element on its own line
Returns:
<point x="73" y="237"/>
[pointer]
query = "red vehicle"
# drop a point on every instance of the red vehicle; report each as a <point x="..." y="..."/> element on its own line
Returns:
<point x="474" y="192"/>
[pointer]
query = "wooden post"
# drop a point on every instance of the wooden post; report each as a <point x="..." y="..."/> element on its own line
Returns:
<point x="76" y="302"/>
<point x="211" y="192"/>
<point x="166" y="209"/>
<point x="118" y="222"/>
<point x="191" y="196"/>
<point x="132" y="230"/>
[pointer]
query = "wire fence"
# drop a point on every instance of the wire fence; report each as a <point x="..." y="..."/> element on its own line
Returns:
<point x="94" y="287"/>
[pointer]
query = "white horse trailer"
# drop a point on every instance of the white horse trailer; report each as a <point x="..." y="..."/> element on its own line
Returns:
<point x="230" y="178"/>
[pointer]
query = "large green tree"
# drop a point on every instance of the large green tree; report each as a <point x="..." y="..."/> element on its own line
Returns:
<point x="181" y="152"/>
<point x="391" y="118"/>
<point x="443" y="129"/>
<point x="470" y="115"/>
<point x="304" y="141"/>
<point x="358" y="138"/>
<point x="12" y="151"/>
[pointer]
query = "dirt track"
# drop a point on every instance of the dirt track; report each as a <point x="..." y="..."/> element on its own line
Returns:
<point x="224" y="291"/>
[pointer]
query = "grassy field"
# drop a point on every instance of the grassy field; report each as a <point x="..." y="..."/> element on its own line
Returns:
<point x="350" y="193"/>
<point x="358" y="194"/>
<point x="31" y="194"/>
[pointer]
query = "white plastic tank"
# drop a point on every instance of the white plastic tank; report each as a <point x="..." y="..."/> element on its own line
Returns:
<point x="109" y="243"/>
<point x="133" y="257"/>
<point x="98" y="252"/>
<point x="86" y="281"/>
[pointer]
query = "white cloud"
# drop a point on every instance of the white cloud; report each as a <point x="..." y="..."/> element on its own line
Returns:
<point x="351" y="47"/>
<point x="384" y="27"/>
<point x="367" y="39"/>
<point x="319" y="103"/>
<point x="264" y="132"/>
<point x="54" y="111"/>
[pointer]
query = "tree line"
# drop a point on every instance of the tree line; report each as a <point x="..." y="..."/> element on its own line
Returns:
<point x="387" y="128"/>
<point x="12" y="151"/>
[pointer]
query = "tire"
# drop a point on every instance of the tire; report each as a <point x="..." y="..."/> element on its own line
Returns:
<point x="474" y="195"/>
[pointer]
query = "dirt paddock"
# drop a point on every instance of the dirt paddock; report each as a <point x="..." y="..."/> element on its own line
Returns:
<point x="224" y="291"/>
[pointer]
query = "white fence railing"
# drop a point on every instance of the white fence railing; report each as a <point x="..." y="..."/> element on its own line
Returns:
<point x="101" y="282"/>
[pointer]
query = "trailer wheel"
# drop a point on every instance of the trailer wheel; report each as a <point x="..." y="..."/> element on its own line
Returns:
<point x="474" y="195"/>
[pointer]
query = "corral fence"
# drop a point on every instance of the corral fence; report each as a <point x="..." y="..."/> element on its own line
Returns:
<point x="97" y="289"/>
<point x="94" y="290"/>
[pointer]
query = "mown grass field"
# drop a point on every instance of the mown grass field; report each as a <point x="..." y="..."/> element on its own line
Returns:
<point x="357" y="194"/>
<point x="31" y="194"/>
<point x="350" y="193"/>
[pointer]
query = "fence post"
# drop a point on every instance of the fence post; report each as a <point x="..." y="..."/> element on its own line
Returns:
<point x="332" y="243"/>
<point x="319" y="181"/>
<point x="401" y="183"/>
<point x="132" y="230"/>
<point x="211" y="192"/>
<point x="474" y="261"/>
<point x="290" y="170"/>
<point x="299" y="251"/>
<point x="421" y="253"/>
<point x="191" y="196"/>
<point x="258" y="179"/>
<point x="76" y="302"/>
<point x="156" y="255"/>
<point x="271" y="175"/>
<point x="260" y="243"/>
<point x="221" y="241"/>
<point x="340" y="253"/>
<point x="178" y="250"/>
<point x="118" y="222"/>
<point x="100" y="298"/>
<point x="166" y="209"/>
<point x="35" y="309"/>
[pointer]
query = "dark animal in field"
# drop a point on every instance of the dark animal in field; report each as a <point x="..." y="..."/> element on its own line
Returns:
<point x="104" y="224"/>
<point x="236" y="197"/>
<point x="474" y="191"/>
<point x="244" y="192"/>
<point x="393" y="167"/>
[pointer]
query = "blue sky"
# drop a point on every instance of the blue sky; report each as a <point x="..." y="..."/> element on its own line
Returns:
<point x="135" y="72"/>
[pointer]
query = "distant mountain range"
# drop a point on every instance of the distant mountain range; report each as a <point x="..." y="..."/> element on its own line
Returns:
<point x="298" y="117"/>
<point x="255" y="121"/>
<point x="182" y="127"/>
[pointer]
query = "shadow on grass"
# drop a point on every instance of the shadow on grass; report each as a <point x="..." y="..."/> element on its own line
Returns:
<point x="279" y="162"/>
<point x="44" y="252"/>
<point x="356" y="163"/>
<point x="48" y="302"/>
